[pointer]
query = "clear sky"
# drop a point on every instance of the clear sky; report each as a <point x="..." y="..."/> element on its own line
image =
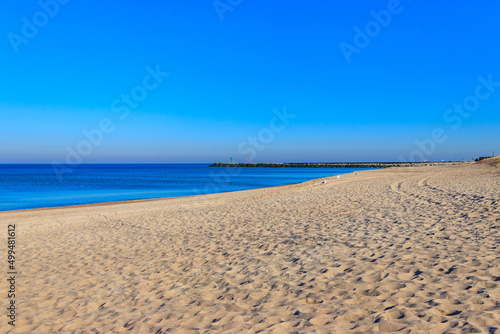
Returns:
<point x="364" y="80"/>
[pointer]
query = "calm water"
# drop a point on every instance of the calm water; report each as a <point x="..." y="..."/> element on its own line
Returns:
<point x="37" y="186"/>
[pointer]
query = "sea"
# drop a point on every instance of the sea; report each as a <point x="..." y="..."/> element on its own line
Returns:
<point x="30" y="186"/>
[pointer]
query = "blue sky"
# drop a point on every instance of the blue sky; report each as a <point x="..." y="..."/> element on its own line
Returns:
<point x="233" y="66"/>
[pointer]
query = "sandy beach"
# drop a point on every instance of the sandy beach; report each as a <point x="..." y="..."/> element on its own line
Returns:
<point x="410" y="250"/>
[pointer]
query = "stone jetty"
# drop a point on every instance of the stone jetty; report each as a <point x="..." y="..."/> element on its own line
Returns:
<point x="339" y="164"/>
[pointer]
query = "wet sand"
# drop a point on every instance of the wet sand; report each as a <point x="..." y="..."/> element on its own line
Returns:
<point x="414" y="250"/>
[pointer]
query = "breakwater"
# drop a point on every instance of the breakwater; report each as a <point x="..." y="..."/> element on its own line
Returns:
<point x="337" y="164"/>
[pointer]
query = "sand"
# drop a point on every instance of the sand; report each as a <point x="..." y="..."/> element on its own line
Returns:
<point x="414" y="250"/>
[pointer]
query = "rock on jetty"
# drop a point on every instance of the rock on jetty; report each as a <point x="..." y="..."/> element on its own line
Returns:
<point x="339" y="164"/>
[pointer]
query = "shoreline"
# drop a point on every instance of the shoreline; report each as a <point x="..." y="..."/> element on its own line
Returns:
<point x="370" y="166"/>
<point x="131" y="201"/>
<point x="155" y="199"/>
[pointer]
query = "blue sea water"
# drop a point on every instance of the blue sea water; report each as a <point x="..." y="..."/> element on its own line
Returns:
<point x="37" y="186"/>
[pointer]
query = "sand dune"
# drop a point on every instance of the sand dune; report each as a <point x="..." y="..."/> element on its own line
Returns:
<point x="414" y="250"/>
